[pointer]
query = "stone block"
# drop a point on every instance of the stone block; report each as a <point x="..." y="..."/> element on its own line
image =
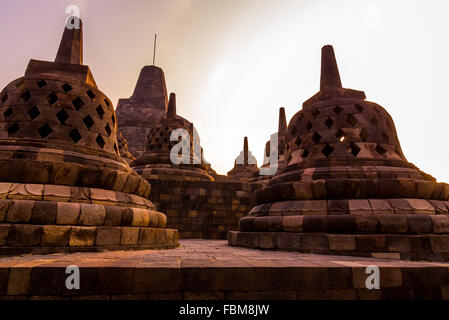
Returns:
<point x="421" y="206"/>
<point x="315" y="242"/>
<point x="359" y="206"/>
<point x="366" y="223"/>
<point x="420" y="223"/>
<point x="141" y="217"/>
<point x="26" y="191"/>
<point x="113" y="216"/>
<point x="274" y="224"/>
<point x="342" y="242"/>
<point x="380" y="206"/>
<point x="288" y="241"/>
<point x="439" y="243"/>
<point x="371" y="243"/>
<point x="315" y="223"/>
<point x="314" y="207"/>
<point x="4" y="233"/>
<point x="20" y="211"/>
<point x="394" y="223"/>
<point x="108" y="236"/>
<point x="56" y="192"/>
<point x="67" y="213"/>
<point x="440" y="223"/>
<point x="248" y="239"/>
<point x="147" y="236"/>
<point x="398" y="243"/>
<point x="92" y="214"/>
<point x="24" y="236"/>
<point x="55" y="236"/>
<point x="292" y="223"/>
<point x="44" y="212"/>
<point x="341" y="223"/>
<point x="82" y="236"/>
<point x="161" y="236"/>
<point x="102" y="196"/>
<point x="4" y="206"/>
<point x="267" y="240"/>
<point x="130" y="236"/>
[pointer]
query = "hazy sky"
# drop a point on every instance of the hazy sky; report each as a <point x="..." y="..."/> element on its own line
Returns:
<point x="233" y="63"/>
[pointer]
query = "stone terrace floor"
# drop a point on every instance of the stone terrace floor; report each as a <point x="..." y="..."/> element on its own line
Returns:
<point x="210" y="269"/>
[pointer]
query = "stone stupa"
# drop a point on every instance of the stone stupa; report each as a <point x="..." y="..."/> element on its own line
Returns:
<point x="346" y="187"/>
<point x="64" y="186"/>
<point x="245" y="165"/>
<point x="156" y="163"/>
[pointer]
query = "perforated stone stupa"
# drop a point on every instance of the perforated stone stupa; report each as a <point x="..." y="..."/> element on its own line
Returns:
<point x="144" y="109"/>
<point x="281" y="135"/>
<point x="346" y="187"/>
<point x="245" y="165"/>
<point x="64" y="186"/>
<point x="156" y="162"/>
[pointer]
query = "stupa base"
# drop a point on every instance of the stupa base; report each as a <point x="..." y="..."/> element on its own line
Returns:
<point x="429" y="247"/>
<point x="18" y="239"/>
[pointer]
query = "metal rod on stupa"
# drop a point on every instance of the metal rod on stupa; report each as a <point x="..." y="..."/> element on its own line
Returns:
<point x="330" y="77"/>
<point x="154" y="48"/>
<point x="71" y="46"/>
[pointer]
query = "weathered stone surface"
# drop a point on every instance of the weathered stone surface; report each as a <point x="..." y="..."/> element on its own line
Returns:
<point x="55" y="236"/>
<point x="92" y="215"/>
<point x="129" y="236"/>
<point x="44" y="212"/>
<point x="108" y="236"/>
<point x="68" y="213"/>
<point x="20" y="211"/>
<point x="82" y="236"/>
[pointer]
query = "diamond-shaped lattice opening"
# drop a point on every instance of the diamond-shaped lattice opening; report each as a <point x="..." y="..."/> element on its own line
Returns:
<point x="34" y="112"/>
<point x="316" y="137"/>
<point x="90" y="94"/>
<point x="389" y="125"/>
<point x="115" y="148"/>
<point x="305" y="153"/>
<point x="301" y="116"/>
<point x="374" y="121"/>
<point x="359" y="107"/>
<point x="13" y="128"/>
<point x="41" y="83"/>
<point x="4" y="98"/>
<point x="77" y="103"/>
<point x="52" y="98"/>
<point x="376" y="110"/>
<point x="100" y="111"/>
<point x="108" y="129"/>
<point x="75" y="135"/>
<point x="113" y="120"/>
<point x="329" y="122"/>
<point x="315" y="113"/>
<point x="364" y="135"/>
<point x="88" y="121"/>
<point x="8" y="112"/>
<point x="19" y="84"/>
<point x="100" y="141"/>
<point x="380" y="150"/>
<point x="309" y="126"/>
<point x="26" y="95"/>
<point x="340" y="135"/>
<point x="62" y="116"/>
<point x="385" y="136"/>
<point x="337" y="109"/>
<point x="107" y="102"/>
<point x="67" y="87"/>
<point x="298" y="141"/>
<point x="44" y="131"/>
<point x="354" y="149"/>
<point x="352" y="120"/>
<point x="327" y="150"/>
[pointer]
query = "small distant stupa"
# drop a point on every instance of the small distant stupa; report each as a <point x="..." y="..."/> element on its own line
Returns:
<point x="245" y="165"/>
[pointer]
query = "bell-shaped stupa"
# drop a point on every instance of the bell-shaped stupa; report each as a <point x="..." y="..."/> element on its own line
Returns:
<point x="64" y="186"/>
<point x="245" y="165"/>
<point x="160" y="162"/>
<point x="345" y="186"/>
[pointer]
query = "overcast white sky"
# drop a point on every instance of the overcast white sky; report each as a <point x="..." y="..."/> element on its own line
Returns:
<point x="233" y="63"/>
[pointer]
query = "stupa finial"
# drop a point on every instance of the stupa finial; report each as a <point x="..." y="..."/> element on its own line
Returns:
<point x="330" y="76"/>
<point x="71" y="46"/>
<point x="245" y="149"/>
<point x="171" y="111"/>
<point x="282" y="128"/>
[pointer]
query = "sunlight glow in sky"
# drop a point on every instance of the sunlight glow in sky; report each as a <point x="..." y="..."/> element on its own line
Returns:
<point x="233" y="63"/>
